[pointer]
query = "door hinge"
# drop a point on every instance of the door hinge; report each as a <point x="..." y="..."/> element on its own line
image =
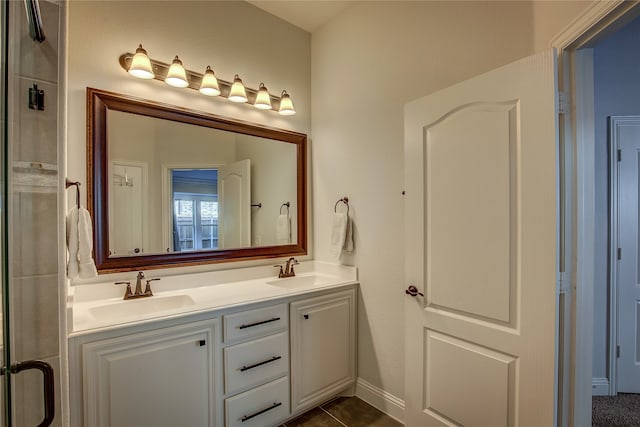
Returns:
<point x="619" y="254"/>
<point x="619" y="155"/>
<point x="618" y="352"/>
<point x="564" y="281"/>
<point x="563" y="103"/>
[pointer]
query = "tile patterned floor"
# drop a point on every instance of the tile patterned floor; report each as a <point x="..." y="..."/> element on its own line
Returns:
<point x="343" y="412"/>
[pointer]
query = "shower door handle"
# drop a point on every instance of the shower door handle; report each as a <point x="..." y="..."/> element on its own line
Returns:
<point x="48" y="386"/>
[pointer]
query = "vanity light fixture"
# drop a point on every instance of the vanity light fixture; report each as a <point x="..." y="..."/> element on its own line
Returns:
<point x="286" y="105"/>
<point x="238" y="92"/>
<point x="209" y="85"/>
<point x="174" y="74"/>
<point x="263" y="99"/>
<point x="141" y="65"/>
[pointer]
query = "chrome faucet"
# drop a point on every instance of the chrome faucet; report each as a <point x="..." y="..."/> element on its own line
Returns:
<point x="138" y="293"/>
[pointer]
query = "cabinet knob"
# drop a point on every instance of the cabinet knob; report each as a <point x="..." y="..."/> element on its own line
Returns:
<point x="306" y="316"/>
<point x="202" y="343"/>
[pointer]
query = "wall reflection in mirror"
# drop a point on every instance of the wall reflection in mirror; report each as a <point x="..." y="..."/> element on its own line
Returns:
<point x="175" y="187"/>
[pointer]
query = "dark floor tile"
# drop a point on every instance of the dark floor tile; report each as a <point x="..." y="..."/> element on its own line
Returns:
<point x="354" y="412"/>
<point x="314" y="418"/>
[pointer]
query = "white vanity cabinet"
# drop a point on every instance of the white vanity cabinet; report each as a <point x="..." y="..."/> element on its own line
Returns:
<point x="162" y="377"/>
<point x="249" y="365"/>
<point x="323" y="347"/>
<point x="256" y="366"/>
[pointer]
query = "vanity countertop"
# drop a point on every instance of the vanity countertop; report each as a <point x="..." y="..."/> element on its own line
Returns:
<point x="100" y="306"/>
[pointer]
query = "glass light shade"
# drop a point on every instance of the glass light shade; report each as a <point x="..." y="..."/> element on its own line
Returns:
<point x="263" y="100"/>
<point x="141" y="65"/>
<point x="238" y="92"/>
<point x="176" y="76"/>
<point x="286" y="105"/>
<point x="209" y="85"/>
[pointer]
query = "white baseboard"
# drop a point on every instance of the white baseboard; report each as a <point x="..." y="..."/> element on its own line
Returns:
<point x="380" y="399"/>
<point x="599" y="387"/>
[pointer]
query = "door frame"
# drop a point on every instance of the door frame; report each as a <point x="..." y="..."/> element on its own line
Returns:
<point x="578" y="172"/>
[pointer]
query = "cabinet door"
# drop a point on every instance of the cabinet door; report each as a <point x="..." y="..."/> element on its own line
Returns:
<point x="322" y="347"/>
<point x="157" y="378"/>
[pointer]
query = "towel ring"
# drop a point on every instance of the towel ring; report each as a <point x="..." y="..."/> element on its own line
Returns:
<point x="68" y="183"/>
<point x="287" y="204"/>
<point x="344" y="200"/>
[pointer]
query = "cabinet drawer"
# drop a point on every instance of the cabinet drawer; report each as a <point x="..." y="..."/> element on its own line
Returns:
<point x="256" y="362"/>
<point x="262" y="406"/>
<point x="255" y="323"/>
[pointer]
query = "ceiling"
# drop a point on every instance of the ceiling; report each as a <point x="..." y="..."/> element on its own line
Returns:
<point x="306" y="14"/>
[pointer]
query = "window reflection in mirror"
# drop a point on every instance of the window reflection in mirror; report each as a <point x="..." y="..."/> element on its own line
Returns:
<point x="195" y="209"/>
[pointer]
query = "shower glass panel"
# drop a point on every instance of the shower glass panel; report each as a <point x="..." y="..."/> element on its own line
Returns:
<point x="28" y="213"/>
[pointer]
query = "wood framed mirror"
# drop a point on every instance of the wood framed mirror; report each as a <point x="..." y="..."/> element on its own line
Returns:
<point x="169" y="186"/>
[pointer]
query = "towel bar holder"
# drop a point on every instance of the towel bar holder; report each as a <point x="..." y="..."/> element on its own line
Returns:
<point x="344" y="200"/>
<point x="68" y="183"/>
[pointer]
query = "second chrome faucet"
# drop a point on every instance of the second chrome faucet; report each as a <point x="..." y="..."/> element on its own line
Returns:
<point x="138" y="293"/>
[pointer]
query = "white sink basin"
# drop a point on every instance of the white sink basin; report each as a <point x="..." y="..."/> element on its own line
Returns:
<point x="301" y="281"/>
<point x="142" y="306"/>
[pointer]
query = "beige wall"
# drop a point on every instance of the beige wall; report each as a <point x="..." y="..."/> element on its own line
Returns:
<point x="231" y="36"/>
<point x="366" y="64"/>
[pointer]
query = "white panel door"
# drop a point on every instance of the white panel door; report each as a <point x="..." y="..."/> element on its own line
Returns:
<point x="480" y="241"/>
<point x="626" y="137"/>
<point x="234" y="205"/>
<point x="127" y="208"/>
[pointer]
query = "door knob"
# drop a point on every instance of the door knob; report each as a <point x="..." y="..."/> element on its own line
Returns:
<point x="413" y="291"/>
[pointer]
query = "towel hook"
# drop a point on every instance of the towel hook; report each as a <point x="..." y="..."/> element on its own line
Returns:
<point x="68" y="183"/>
<point x="344" y="200"/>
<point x="287" y="204"/>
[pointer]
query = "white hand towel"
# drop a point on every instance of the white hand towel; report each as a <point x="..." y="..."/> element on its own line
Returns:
<point x="80" y="244"/>
<point x="85" y="240"/>
<point x="338" y="233"/>
<point x="72" y="243"/>
<point x="348" y="239"/>
<point x="283" y="229"/>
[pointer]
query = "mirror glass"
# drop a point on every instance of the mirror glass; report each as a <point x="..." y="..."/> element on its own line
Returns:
<point x="174" y="186"/>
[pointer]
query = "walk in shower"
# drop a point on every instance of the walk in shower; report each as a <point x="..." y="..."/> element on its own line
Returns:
<point x="29" y="220"/>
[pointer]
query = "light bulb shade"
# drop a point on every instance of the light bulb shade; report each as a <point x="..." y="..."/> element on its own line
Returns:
<point x="141" y="65"/>
<point x="286" y="105"/>
<point x="209" y="85"/>
<point x="263" y="99"/>
<point x="238" y="92"/>
<point x="176" y="76"/>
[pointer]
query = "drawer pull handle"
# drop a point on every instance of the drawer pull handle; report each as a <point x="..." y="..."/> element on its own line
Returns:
<point x="275" y="319"/>
<point x="248" y="417"/>
<point x="273" y="359"/>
